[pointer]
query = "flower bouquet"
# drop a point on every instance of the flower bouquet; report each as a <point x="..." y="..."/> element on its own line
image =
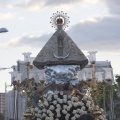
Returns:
<point x="59" y="106"/>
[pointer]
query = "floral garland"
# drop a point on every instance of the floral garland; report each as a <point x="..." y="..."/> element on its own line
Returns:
<point x="58" y="106"/>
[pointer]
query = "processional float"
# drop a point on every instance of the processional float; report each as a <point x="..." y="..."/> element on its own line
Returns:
<point x="61" y="95"/>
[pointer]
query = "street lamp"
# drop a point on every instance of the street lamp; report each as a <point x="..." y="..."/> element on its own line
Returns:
<point x="2" y="30"/>
<point x="15" y="81"/>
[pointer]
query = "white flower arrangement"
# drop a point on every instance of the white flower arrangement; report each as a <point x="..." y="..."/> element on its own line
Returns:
<point x="64" y="100"/>
<point x="77" y="116"/>
<point x="69" y="102"/>
<point x="51" y="118"/>
<point x="102" y="117"/>
<point x="85" y="98"/>
<point x="32" y="109"/>
<point x="38" y="119"/>
<point x="43" y="110"/>
<point x="65" y="96"/>
<point x="68" y="108"/>
<point x="58" y="115"/>
<point x="58" y="106"/>
<point x="73" y="98"/>
<point x="88" y="103"/>
<point x="58" y="99"/>
<point x="39" y="111"/>
<point x="97" y="107"/>
<point x="43" y="115"/>
<point x="58" y="110"/>
<point x="49" y="99"/>
<point x="64" y="111"/>
<point x="69" y="96"/>
<point x="61" y="101"/>
<point x="75" y="104"/>
<point x="101" y="110"/>
<point x="48" y="111"/>
<point x="54" y="102"/>
<point x="65" y="107"/>
<point x="36" y="109"/>
<point x="38" y="115"/>
<point x="62" y="107"/>
<point x="47" y="118"/>
<point x="73" y="118"/>
<point x="76" y="99"/>
<point x="56" y="92"/>
<point x="74" y="111"/>
<point x="67" y="116"/>
<point x="51" y="107"/>
<point x="56" y="119"/>
<point x="45" y="103"/>
<point x="51" y="114"/>
<point x="55" y="96"/>
<point x="83" y="108"/>
<point x="61" y="93"/>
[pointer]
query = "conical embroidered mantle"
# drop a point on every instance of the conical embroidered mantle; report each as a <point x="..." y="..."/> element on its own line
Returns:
<point x="60" y="50"/>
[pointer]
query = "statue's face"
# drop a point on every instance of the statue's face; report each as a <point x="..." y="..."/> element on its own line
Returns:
<point x="61" y="73"/>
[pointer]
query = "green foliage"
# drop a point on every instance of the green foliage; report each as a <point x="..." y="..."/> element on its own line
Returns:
<point x="117" y="78"/>
<point x="2" y="116"/>
<point x="104" y="96"/>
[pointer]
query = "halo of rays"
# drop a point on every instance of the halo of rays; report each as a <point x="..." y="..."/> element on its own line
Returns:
<point x="63" y="16"/>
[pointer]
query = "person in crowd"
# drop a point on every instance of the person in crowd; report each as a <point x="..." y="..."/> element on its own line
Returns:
<point x="86" y="116"/>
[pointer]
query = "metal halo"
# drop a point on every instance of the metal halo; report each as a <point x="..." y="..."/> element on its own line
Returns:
<point x="61" y="15"/>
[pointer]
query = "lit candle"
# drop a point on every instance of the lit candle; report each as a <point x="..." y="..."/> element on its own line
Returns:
<point x="99" y="76"/>
<point x="92" y="56"/>
<point x="27" y="57"/>
<point x="13" y="76"/>
<point x="31" y="74"/>
<point x="108" y="74"/>
<point x="18" y="76"/>
<point x="89" y="74"/>
<point x="81" y="76"/>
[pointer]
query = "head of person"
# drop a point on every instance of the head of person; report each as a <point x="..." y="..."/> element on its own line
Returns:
<point x="86" y="116"/>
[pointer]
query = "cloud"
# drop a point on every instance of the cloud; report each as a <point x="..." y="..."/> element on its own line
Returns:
<point x="28" y="41"/>
<point x="61" y="2"/>
<point x="31" y="5"/>
<point x="102" y="34"/>
<point x="114" y="6"/>
<point x="34" y="5"/>
<point x="99" y="34"/>
<point x="8" y="3"/>
<point x="5" y="16"/>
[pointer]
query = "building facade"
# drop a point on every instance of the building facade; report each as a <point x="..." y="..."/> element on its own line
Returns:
<point x="2" y="103"/>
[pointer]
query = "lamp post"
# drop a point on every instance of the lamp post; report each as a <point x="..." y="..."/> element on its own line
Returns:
<point x="2" y="30"/>
<point x="15" y="81"/>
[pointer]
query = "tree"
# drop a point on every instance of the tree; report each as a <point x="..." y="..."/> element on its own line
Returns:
<point x="117" y="78"/>
<point x="116" y="97"/>
<point x="2" y="116"/>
